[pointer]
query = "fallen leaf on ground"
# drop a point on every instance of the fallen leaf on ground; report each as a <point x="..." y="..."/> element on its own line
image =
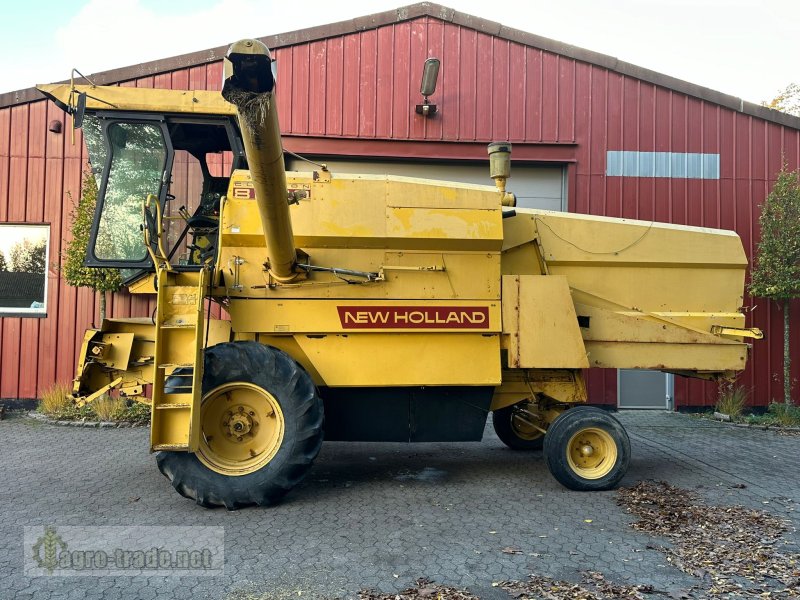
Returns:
<point x="424" y="588"/>
<point x="739" y="550"/>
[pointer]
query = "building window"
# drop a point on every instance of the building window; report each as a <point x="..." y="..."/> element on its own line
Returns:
<point x="23" y="269"/>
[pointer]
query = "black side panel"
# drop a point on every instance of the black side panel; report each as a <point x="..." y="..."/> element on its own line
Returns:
<point x="421" y="414"/>
<point x="449" y="414"/>
<point x="366" y="414"/>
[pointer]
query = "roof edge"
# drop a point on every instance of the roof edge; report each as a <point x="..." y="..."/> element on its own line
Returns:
<point x="443" y="13"/>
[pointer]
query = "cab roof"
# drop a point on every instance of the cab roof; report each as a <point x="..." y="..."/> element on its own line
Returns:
<point x="138" y="99"/>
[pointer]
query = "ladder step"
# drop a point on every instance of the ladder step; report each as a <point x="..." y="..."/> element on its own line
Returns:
<point x="169" y="406"/>
<point x="177" y="366"/>
<point x="170" y="447"/>
<point x="177" y="325"/>
<point x="176" y="397"/>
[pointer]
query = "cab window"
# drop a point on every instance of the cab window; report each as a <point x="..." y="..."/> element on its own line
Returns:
<point x="138" y="159"/>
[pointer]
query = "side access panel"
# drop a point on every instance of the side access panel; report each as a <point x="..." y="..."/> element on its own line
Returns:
<point x="540" y="326"/>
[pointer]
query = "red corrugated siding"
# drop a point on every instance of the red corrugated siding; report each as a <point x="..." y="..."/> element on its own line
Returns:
<point x="364" y="86"/>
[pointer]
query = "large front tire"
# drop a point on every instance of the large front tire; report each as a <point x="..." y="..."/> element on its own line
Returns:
<point x="587" y="450"/>
<point x="261" y="421"/>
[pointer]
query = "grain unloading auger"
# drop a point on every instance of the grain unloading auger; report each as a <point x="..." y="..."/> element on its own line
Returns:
<point x="371" y="308"/>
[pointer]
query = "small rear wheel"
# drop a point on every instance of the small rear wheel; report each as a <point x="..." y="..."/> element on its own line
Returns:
<point x="519" y="427"/>
<point x="261" y="422"/>
<point x="587" y="450"/>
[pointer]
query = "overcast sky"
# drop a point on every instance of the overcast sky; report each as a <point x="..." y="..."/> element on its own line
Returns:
<point x="747" y="48"/>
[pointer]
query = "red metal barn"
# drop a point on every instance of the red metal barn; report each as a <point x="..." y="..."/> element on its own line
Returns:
<point x="591" y="134"/>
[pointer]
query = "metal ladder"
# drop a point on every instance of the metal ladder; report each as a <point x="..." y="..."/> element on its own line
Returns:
<point x="178" y="363"/>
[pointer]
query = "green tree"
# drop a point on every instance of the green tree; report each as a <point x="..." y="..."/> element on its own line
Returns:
<point x="776" y="270"/>
<point x="3" y="263"/>
<point x="29" y="256"/>
<point x="787" y="100"/>
<point x="75" y="273"/>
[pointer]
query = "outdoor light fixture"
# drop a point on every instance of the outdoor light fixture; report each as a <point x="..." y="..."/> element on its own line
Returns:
<point x="430" y="73"/>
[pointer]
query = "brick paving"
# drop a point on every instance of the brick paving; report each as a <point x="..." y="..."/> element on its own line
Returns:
<point x="381" y="515"/>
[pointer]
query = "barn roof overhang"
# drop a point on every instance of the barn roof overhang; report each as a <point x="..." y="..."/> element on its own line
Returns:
<point x="443" y="13"/>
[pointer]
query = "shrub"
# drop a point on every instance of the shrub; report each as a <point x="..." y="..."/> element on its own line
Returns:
<point x="787" y="415"/>
<point x="56" y="400"/>
<point x="136" y="412"/>
<point x="732" y="399"/>
<point x="107" y="408"/>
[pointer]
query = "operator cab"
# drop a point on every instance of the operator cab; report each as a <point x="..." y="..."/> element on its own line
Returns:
<point x="181" y="164"/>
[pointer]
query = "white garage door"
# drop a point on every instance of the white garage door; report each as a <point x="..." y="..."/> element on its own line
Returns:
<point x="535" y="187"/>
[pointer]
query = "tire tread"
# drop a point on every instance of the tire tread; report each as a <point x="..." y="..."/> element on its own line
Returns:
<point x="273" y="370"/>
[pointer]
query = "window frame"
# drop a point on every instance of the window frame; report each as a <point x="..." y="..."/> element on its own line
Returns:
<point x="38" y="313"/>
<point x="106" y="121"/>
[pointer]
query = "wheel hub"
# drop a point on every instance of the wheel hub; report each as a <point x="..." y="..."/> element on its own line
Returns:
<point x="591" y="453"/>
<point x="242" y="428"/>
<point x="239" y="424"/>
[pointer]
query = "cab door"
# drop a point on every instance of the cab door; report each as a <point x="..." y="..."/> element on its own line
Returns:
<point x="137" y="163"/>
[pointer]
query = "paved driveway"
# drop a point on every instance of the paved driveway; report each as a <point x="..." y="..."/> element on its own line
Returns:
<point x="381" y="515"/>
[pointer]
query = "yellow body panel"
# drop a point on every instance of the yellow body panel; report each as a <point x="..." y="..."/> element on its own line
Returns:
<point x="363" y="213"/>
<point x="365" y="317"/>
<point x="401" y="359"/>
<point x="404" y="344"/>
<point x="427" y="252"/>
<point x="648" y="295"/>
<point x="723" y="359"/>
<point x="540" y="324"/>
<point x="143" y="285"/>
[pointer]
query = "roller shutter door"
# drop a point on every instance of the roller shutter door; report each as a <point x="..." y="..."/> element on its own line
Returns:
<point x="535" y="186"/>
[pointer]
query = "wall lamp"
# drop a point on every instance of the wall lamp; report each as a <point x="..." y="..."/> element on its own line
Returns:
<point x="430" y="73"/>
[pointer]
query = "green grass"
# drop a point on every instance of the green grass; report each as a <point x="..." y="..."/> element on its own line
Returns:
<point x="778" y="414"/>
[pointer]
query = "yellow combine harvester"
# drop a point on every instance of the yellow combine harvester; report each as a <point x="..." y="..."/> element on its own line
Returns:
<point x="371" y="308"/>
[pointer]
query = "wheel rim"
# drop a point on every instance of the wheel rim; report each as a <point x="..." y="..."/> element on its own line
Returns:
<point x="521" y="426"/>
<point x="242" y="428"/>
<point x="592" y="453"/>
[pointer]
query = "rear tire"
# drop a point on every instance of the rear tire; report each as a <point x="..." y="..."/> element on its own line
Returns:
<point x="515" y="433"/>
<point x="587" y="450"/>
<point x="281" y="439"/>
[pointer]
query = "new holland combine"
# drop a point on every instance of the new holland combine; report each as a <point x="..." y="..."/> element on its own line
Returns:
<point x="363" y="307"/>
